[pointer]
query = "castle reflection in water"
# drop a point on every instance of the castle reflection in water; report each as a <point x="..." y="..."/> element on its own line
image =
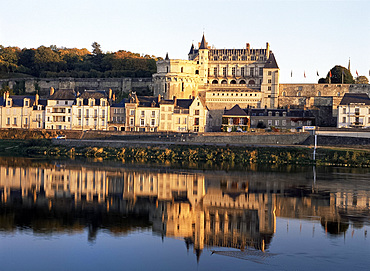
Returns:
<point x="206" y="209"/>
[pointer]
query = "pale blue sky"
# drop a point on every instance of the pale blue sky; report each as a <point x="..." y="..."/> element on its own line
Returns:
<point x="306" y="36"/>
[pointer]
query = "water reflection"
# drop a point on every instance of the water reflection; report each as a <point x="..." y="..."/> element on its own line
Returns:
<point x="205" y="209"/>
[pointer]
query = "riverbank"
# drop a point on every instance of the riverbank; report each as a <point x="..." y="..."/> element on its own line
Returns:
<point x="176" y="153"/>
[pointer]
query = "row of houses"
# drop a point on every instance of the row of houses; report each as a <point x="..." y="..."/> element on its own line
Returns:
<point x="97" y="110"/>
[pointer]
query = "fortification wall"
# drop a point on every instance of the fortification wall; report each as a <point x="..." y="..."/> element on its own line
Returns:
<point x="79" y="84"/>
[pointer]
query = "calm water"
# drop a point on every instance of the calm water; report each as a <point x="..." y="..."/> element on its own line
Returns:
<point x="73" y="215"/>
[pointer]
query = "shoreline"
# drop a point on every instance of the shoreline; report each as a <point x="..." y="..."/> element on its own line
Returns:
<point x="180" y="152"/>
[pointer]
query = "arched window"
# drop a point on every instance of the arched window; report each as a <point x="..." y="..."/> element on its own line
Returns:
<point x="223" y="82"/>
<point x="299" y="94"/>
<point x="284" y="93"/>
<point x="251" y="82"/>
<point x="242" y="82"/>
<point x="233" y="82"/>
<point x="319" y="93"/>
<point x="214" y="82"/>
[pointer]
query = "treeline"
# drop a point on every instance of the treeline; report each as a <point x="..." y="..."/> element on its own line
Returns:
<point x="49" y="62"/>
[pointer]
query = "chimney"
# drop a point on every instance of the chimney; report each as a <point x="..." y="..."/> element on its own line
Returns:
<point x="267" y="50"/>
<point x="51" y="91"/>
<point x="248" y="46"/>
<point x="159" y="98"/>
<point x="110" y="94"/>
<point x="37" y="99"/>
<point x="114" y="97"/>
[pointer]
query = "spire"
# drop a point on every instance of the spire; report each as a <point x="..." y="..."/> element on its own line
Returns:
<point x="349" y="64"/>
<point x="191" y="49"/>
<point x="167" y="58"/>
<point x="203" y="43"/>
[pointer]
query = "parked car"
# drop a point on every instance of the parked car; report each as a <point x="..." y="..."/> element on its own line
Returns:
<point x="60" y="137"/>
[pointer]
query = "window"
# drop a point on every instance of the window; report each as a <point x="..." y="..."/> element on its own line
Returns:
<point x="69" y="111"/>
<point x="153" y="122"/>
<point x="269" y="81"/>
<point x="182" y="69"/>
<point x="87" y="113"/>
<point x="79" y="113"/>
<point x="8" y="121"/>
<point x="299" y="94"/>
<point x="319" y="93"/>
<point x="357" y="111"/>
<point x="87" y="122"/>
<point x="95" y="113"/>
<point x="131" y="121"/>
<point x="344" y="110"/>
<point x="182" y="86"/>
<point x="292" y="123"/>
<point x="233" y="71"/>
<point x="269" y="73"/>
<point x="196" y="112"/>
<point x="251" y="71"/>
<point x="132" y="112"/>
<point x="25" y="103"/>
<point x="79" y="103"/>
<point x="184" y="121"/>
<point x="283" y="122"/>
<point x="142" y="122"/>
<point x="276" y="122"/>
<point x="261" y="71"/>
<point x="215" y="71"/>
<point x="224" y="72"/>
<point x="242" y="71"/>
<point x="196" y="121"/>
<point x="142" y="114"/>
<point x="269" y="122"/>
<point x="103" y="103"/>
<point x="153" y="114"/>
<point x="268" y="88"/>
<point x="231" y="121"/>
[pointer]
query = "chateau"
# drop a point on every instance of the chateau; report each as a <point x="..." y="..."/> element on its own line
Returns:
<point x="249" y="76"/>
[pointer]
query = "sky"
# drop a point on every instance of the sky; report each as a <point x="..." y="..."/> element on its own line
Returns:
<point x="306" y="36"/>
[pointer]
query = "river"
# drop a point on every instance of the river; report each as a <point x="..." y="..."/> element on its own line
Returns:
<point x="106" y="215"/>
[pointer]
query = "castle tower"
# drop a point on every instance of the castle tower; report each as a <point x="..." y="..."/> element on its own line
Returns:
<point x="203" y="62"/>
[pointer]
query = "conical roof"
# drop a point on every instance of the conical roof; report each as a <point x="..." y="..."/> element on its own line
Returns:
<point x="271" y="62"/>
<point x="191" y="49"/>
<point x="203" y="43"/>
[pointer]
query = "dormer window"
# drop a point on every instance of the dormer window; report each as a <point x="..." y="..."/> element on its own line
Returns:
<point x="26" y="103"/>
<point x="9" y="103"/>
<point x="79" y="103"/>
<point x="91" y="102"/>
<point x="103" y="103"/>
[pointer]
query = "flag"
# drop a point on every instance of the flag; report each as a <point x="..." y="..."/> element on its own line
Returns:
<point x="329" y="73"/>
<point x="356" y="73"/>
<point x="304" y="74"/>
<point x="317" y="72"/>
<point x="291" y="73"/>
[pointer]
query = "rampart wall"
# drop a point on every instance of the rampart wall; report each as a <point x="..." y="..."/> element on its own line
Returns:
<point x="79" y="84"/>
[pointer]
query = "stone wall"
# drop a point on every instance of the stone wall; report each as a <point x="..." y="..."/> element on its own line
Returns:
<point x="79" y="84"/>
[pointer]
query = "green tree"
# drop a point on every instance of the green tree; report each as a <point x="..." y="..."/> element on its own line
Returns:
<point x="96" y="48"/>
<point x="9" y="58"/>
<point x="339" y="75"/>
<point x="361" y="80"/>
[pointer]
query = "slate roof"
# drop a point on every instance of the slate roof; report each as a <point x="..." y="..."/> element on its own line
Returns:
<point x="191" y="49"/>
<point x="148" y="101"/>
<point x="18" y="100"/>
<point x="271" y="62"/>
<point x="203" y="43"/>
<point x="183" y="103"/>
<point x="235" y="111"/>
<point x="355" y="98"/>
<point x="93" y="94"/>
<point x="63" y="94"/>
<point x="120" y="104"/>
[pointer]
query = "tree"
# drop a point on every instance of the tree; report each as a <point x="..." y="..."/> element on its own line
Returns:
<point x="361" y="80"/>
<point x="96" y="48"/>
<point x="339" y="75"/>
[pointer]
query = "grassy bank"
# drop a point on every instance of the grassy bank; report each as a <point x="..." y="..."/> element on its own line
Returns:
<point x="192" y="154"/>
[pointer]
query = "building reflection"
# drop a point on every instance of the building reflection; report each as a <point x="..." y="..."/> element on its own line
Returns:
<point x="204" y="209"/>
